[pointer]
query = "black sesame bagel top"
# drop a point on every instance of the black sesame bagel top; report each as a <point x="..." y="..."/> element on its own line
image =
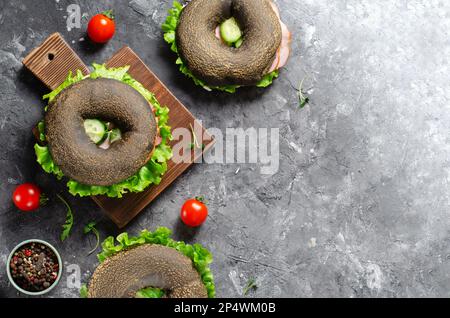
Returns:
<point x="106" y="99"/>
<point x="125" y="273"/>
<point x="213" y="61"/>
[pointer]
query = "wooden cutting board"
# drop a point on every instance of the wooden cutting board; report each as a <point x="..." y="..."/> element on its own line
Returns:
<point x="51" y="63"/>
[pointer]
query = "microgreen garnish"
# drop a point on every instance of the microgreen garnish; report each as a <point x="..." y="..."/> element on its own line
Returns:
<point x="195" y="144"/>
<point x="90" y="227"/>
<point x="43" y="199"/>
<point x="67" y="226"/>
<point x="251" y="285"/>
<point x="302" y="99"/>
<point x="192" y="146"/>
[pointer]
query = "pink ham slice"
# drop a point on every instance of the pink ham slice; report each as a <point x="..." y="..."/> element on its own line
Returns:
<point x="275" y="8"/>
<point x="285" y="48"/>
<point x="158" y="139"/>
<point x="276" y="62"/>
<point x="218" y="33"/>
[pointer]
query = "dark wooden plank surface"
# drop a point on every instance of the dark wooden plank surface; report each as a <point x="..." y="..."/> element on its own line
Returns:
<point x="52" y="61"/>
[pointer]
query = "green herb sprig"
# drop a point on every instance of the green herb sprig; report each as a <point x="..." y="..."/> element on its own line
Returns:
<point x="302" y="98"/>
<point x="90" y="228"/>
<point x="195" y="145"/>
<point x="251" y="285"/>
<point x="67" y="226"/>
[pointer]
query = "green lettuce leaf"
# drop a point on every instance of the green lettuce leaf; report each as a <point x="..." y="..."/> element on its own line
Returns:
<point x="150" y="292"/>
<point x="200" y="256"/>
<point x="41" y="131"/>
<point x="69" y="81"/>
<point x="149" y="174"/>
<point x="46" y="161"/>
<point x="169" y="28"/>
<point x="84" y="291"/>
<point x="268" y="79"/>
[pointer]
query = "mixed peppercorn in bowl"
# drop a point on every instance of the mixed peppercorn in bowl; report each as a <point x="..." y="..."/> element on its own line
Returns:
<point x="34" y="267"/>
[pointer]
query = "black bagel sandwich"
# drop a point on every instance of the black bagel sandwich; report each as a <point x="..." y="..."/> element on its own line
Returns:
<point x="151" y="265"/>
<point x="105" y="132"/>
<point x="226" y="44"/>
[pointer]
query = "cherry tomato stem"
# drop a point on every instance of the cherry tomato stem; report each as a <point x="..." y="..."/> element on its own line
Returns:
<point x="109" y="14"/>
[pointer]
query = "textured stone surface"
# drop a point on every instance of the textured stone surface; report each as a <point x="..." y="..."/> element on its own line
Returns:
<point x="360" y="205"/>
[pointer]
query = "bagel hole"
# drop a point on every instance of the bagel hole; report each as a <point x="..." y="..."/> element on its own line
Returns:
<point x="230" y="32"/>
<point x="103" y="132"/>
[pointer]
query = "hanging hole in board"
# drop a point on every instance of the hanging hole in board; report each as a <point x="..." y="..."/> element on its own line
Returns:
<point x="51" y="56"/>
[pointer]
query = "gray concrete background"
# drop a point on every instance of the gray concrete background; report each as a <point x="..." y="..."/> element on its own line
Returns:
<point x="360" y="205"/>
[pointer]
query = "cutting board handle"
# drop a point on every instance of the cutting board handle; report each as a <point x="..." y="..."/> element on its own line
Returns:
<point x="52" y="61"/>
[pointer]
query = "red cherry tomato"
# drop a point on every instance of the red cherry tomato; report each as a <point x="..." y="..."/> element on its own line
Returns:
<point x="27" y="197"/>
<point x="101" y="27"/>
<point x="194" y="212"/>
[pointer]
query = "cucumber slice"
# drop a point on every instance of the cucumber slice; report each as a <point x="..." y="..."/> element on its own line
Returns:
<point x="230" y="31"/>
<point x="115" y="135"/>
<point x="95" y="129"/>
<point x="238" y="43"/>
